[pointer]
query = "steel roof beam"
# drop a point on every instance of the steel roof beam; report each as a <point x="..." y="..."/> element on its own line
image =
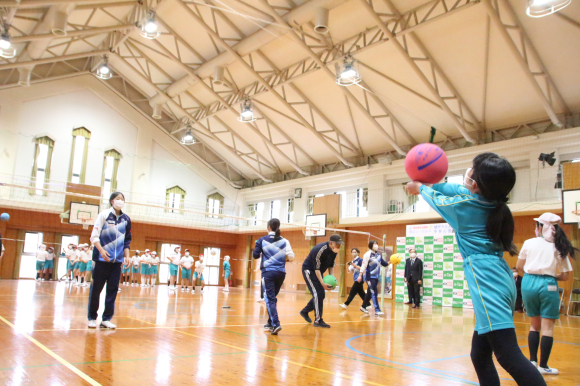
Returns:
<point x="550" y="91"/>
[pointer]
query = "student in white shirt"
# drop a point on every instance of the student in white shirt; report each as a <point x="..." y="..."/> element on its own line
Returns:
<point x="85" y="265"/>
<point x="70" y="255"/>
<point x="145" y="263"/>
<point x="48" y="264"/>
<point x="174" y="261"/>
<point x="135" y="260"/>
<point x="154" y="268"/>
<point x="199" y="267"/>
<point x="545" y="260"/>
<point x="77" y="264"/>
<point x="186" y="263"/>
<point x="40" y="259"/>
<point x="126" y="271"/>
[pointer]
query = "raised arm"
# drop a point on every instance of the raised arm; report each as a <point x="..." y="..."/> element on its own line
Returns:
<point x="445" y="205"/>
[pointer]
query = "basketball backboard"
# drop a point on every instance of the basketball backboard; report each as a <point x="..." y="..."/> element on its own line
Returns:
<point x="570" y="205"/>
<point x="315" y="225"/>
<point x="83" y="214"/>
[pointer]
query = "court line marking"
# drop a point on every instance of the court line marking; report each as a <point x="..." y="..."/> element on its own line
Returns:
<point x="52" y="354"/>
<point x="144" y="359"/>
<point x="414" y="365"/>
<point x="439" y="376"/>
<point x="272" y="357"/>
<point x="219" y="326"/>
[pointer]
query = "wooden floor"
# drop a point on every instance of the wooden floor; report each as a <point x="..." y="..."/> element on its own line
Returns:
<point x="188" y="339"/>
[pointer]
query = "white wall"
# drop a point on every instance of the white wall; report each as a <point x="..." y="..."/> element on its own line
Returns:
<point x="56" y="107"/>
<point x="167" y="171"/>
<point x="57" y="116"/>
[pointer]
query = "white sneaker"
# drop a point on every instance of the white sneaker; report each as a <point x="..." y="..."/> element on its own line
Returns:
<point x="344" y="306"/>
<point x="107" y="324"/>
<point x="87" y="284"/>
<point x="364" y="310"/>
<point x="379" y="313"/>
<point x="535" y="364"/>
<point x="92" y="324"/>
<point x="548" y="371"/>
<point x="42" y="279"/>
<point x="142" y="285"/>
<point x="369" y="307"/>
<point x="226" y="290"/>
<point x="119" y="290"/>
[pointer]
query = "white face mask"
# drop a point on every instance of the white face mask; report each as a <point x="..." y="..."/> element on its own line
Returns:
<point x="515" y="274"/>
<point x="375" y="247"/>
<point x="186" y="253"/>
<point x="118" y="204"/>
<point x="468" y="181"/>
<point x="413" y="255"/>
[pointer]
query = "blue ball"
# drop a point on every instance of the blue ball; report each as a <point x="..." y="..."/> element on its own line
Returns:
<point x="4" y="217"/>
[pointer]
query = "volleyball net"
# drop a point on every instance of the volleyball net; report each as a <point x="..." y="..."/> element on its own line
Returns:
<point x="80" y="207"/>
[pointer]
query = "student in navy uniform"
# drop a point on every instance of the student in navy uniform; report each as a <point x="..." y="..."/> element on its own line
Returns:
<point x="484" y="228"/>
<point x="320" y="258"/>
<point x="275" y="251"/>
<point x="413" y="278"/>
<point x="370" y="271"/>
<point x="357" y="287"/>
<point x="111" y="237"/>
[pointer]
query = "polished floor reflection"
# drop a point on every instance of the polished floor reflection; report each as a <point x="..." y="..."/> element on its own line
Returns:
<point x="184" y="338"/>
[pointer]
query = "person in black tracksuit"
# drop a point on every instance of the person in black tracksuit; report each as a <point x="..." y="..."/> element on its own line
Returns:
<point x="320" y="258"/>
<point x="414" y="277"/>
<point x="357" y="287"/>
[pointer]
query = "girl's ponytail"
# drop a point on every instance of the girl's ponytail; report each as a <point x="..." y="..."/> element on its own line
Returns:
<point x="563" y="245"/>
<point x="500" y="228"/>
<point x="274" y="225"/>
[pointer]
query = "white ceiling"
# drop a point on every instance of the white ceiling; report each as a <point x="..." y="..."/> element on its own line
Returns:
<point x="463" y="42"/>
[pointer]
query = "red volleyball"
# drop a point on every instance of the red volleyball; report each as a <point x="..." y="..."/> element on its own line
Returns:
<point x="426" y="163"/>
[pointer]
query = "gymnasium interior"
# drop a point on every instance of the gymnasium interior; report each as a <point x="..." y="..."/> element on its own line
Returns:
<point x="212" y="117"/>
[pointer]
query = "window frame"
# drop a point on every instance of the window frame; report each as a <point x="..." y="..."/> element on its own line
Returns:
<point x="86" y="134"/>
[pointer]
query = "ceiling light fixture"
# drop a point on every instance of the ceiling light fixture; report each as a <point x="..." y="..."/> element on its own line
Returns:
<point x="149" y="28"/>
<point x="103" y="71"/>
<point x="347" y="74"/>
<point x="188" y="138"/>
<point x="247" y="112"/>
<point x="7" y="50"/>
<point x="541" y="8"/>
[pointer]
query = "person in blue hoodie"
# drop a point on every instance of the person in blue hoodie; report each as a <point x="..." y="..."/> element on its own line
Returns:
<point x="357" y="287"/>
<point x="370" y="271"/>
<point x="275" y="251"/>
<point x="111" y="237"/>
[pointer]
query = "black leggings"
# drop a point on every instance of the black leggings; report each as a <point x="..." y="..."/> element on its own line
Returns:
<point x="356" y="289"/>
<point x="504" y="345"/>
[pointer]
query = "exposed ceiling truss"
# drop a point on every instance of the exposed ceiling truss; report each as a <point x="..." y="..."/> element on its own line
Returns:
<point x="279" y="102"/>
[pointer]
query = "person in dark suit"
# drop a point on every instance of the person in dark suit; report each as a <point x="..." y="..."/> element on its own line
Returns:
<point x="413" y="278"/>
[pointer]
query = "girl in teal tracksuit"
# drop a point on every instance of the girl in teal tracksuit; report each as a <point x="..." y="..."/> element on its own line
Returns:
<point x="484" y="228"/>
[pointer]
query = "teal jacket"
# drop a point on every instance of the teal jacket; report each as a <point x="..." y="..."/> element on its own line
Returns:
<point x="467" y="214"/>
